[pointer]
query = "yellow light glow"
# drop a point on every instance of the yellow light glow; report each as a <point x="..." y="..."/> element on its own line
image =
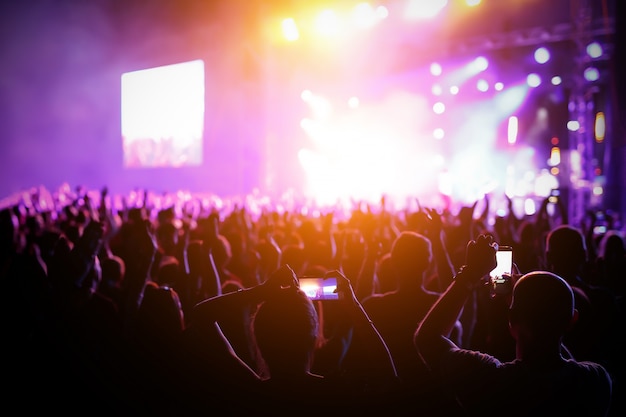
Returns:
<point x="600" y="126"/>
<point x="555" y="156"/>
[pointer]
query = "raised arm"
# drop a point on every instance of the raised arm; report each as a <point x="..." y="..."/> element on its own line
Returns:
<point x="431" y="338"/>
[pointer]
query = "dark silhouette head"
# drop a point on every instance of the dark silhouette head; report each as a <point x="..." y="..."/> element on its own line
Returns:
<point x="411" y="255"/>
<point x="286" y="329"/>
<point x="566" y="250"/>
<point x="542" y="306"/>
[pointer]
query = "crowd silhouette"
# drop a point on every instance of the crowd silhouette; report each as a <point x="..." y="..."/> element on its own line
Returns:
<point x="195" y="308"/>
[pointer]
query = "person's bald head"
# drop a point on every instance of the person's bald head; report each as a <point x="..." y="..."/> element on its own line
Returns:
<point x="542" y="302"/>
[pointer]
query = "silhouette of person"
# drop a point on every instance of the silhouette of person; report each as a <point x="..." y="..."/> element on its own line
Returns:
<point x="539" y="381"/>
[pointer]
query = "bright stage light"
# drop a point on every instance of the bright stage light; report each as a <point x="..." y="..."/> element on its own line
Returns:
<point x="482" y="85"/>
<point x="436" y="90"/>
<point x="327" y="23"/>
<point x="542" y="55"/>
<point x="556" y="80"/>
<point x="592" y="74"/>
<point x="533" y="80"/>
<point x="438" y="133"/>
<point x="454" y="90"/>
<point x="353" y="102"/>
<point x="423" y="9"/>
<point x="480" y="64"/>
<point x="512" y="130"/>
<point x="594" y="50"/>
<point x="600" y="127"/>
<point x="472" y="3"/>
<point x="498" y="86"/>
<point x="435" y="69"/>
<point x="573" y="125"/>
<point x="439" y="107"/>
<point x="364" y="15"/>
<point x="290" y="30"/>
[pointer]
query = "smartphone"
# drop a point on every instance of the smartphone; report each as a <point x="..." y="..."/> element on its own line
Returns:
<point x="500" y="283"/>
<point x="319" y="288"/>
<point x="504" y="258"/>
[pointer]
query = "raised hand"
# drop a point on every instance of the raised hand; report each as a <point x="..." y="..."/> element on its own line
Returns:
<point x="481" y="255"/>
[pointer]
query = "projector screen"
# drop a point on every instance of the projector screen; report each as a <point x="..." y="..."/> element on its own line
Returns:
<point x="162" y="115"/>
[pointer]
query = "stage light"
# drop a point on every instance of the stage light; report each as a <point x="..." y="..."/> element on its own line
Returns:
<point x="512" y="129"/>
<point x="556" y="80"/>
<point x="594" y="50"/>
<point x="306" y="95"/>
<point x="472" y="3"/>
<point x="555" y="156"/>
<point x="533" y="80"/>
<point x="600" y="127"/>
<point x="439" y="107"/>
<point x="353" y="102"/>
<point x="423" y="9"/>
<point x="482" y="85"/>
<point x="364" y="15"/>
<point x="592" y="74"/>
<point x="542" y="55"/>
<point x="573" y="125"/>
<point x="498" y="86"/>
<point x="327" y="23"/>
<point x="598" y="190"/>
<point x="290" y="30"/>
<point x="438" y="133"/>
<point x="436" y="90"/>
<point x="480" y="64"/>
<point x="382" y="12"/>
<point x="454" y="90"/>
<point x="435" y="69"/>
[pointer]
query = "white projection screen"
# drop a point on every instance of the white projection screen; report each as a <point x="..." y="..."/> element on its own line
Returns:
<point x="162" y="115"/>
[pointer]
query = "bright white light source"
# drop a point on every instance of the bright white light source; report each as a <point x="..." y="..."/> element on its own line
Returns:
<point x="498" y="86"/>
<point x="533" y="80"/>
<point x="573" y="125"/>
<point x="290" y="30"/>
<point x="454" y="90"/>
<point x="364" y="15"/>
<point x="556" y="80"/>
<point x="472" y="3"/>
<point x="480" y="63"/>
<point x="555" y="156"/>
<point x="592" y="74"/>
<point x="306" y="95"/>
<point x="512" y="129"/>
<point x="438" y="133"/>
<point x="420" y="9"/>
<point x="327" y="23"/>
<point x="382" y="12"/>
<point x="353" y="102"/>
<point x="542" y="55"/>
<point x="594" y="50"/>
<point x="436" y="90"/>
<point x="435" y="69"/>
<point x="482" y="85"/>
<point x="439" y="107"/>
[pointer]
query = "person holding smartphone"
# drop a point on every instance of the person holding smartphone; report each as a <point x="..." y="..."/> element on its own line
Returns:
<point x="285" y="328"/>
<point x="540" y="381"/>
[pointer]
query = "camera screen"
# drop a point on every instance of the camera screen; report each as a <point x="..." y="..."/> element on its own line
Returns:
<point x="319" y="288"/>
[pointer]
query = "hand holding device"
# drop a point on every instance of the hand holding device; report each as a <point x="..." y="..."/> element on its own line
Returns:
<point x="500" y="276"/>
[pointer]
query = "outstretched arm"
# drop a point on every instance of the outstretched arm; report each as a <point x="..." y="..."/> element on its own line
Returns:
<point x="431" y="338"/>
